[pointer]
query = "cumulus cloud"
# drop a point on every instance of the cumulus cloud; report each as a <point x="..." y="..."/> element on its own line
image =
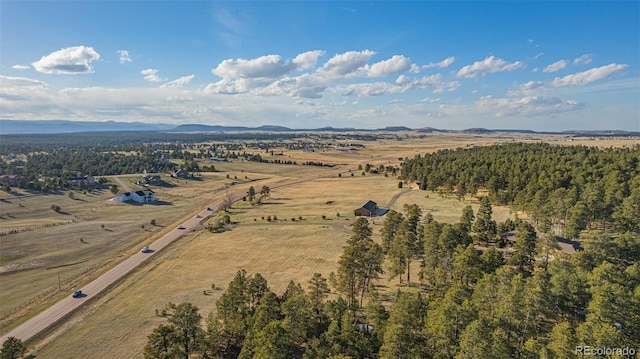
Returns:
<point x="70" y="60"/>
<point x="271" y="74"/>
<point x="231" y="86"/>
<point x="20" y="67"/>
<point x="392" y="66"/>
<point x="269" y="66"/>
<point x="178" y="83"/>
<point x="583" y="60"/>
<point x="307" y="60"/>
<point x="556" y="66"/>
<point x="305" y="85"/>
<point x="347" y="63"/>
<point x="589" y="76"/>
<point x="151" y="75"/>
<point x="124" y="56"/>
<point x="489" y="65"/>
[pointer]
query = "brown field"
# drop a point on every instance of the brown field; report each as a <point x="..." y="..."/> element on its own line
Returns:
<point x="116" y="325"/>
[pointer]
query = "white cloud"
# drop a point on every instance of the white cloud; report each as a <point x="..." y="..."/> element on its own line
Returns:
<point x="430" y="100"/>
<point x="347" y="63"/>
<point x="556" y="66"/>
<point x="7" y="82"/>
<point x="401" y="85"/>
<point x="20" y="67"/>
<point x="305" y="85"/>
<point x="23" y="94"/>
<point x="529" y="88"/>
<point x="583" y="60"/>
<point x="70" y="60"/>
<point x="124" y="56"/>
<point x="307" y="60"/>
<point x="526" y="106"/>
<point x="442" y="64"/>
<point x="392" y="66"/>
<point x="269" y="66"/>
<point x="178" y="83"/>
<point x="227" y="86"/>
<point x="489" y="65"/>
<point x="589" y="76"/>
<point x="151" y="75"/>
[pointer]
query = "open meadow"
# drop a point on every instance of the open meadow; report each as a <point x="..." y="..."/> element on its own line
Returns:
<point x="299" y="230"/>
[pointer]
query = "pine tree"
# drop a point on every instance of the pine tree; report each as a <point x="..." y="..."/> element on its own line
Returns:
<point x="484" y="226"/>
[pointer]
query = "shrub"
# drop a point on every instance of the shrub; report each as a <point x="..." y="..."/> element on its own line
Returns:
<point x="324" y="217"/>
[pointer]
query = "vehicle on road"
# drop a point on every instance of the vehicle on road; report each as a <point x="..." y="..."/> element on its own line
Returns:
<point x="77" y="294"/>
<point x="145" y="250"/>
<point x="209" y="209"/>
<point x="180" y="227"/>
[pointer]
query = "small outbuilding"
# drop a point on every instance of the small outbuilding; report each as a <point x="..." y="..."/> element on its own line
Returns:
<point x="368" y="209"/>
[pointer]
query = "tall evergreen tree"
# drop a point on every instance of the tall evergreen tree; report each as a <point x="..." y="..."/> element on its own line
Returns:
<point x="484" y="226"/>
<point x="360" y="262"/>
<point x="524" y="249"/>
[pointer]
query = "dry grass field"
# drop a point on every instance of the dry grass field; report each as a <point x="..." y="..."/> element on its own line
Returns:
<point x="116" y="325"/>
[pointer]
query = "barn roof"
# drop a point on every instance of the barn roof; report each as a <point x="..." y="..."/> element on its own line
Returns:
<point x="370" y="206"/>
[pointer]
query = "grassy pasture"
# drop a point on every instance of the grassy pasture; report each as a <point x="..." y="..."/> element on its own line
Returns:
<point x="281" y="251"/>
<point x="52" y="248"/>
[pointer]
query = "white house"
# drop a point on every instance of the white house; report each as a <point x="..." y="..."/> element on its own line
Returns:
<point x="142" y="196"/>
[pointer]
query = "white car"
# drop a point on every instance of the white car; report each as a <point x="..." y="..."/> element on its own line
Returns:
<point x="145" y="250"/>
<point x="180" y="227"/>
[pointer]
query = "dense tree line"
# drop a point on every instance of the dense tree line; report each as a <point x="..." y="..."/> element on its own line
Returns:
<point x="569" y="188"/>
<point x="136" y="137"/>
<point x="469" y="303"/>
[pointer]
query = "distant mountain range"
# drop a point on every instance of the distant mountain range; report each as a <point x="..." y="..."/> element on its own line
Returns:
<point x="8" y="127"/>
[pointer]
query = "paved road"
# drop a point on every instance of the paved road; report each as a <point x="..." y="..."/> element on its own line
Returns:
<point x="58" y="311"/>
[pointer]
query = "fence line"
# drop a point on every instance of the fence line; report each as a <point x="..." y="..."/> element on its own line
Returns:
<point x="54" y="288"/>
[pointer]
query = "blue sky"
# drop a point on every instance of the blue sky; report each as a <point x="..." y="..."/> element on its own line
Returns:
<point x="540" y="65"/>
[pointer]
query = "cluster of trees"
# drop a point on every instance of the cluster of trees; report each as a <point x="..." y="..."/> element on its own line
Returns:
<point x="569" y="188"/>
<point x="376" y="170"/>
<point x="471" y="305"/>
<point x="256" y="198"/>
